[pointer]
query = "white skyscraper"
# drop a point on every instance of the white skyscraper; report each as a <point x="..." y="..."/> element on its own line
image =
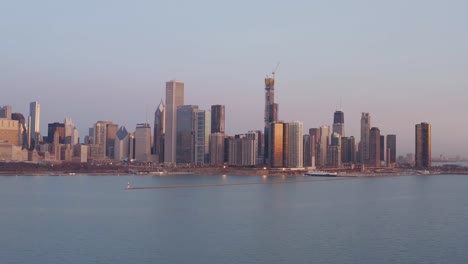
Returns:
<point x="174" y="98"/>
<point x="295" y="145"/>
<point x="35" y="114"/>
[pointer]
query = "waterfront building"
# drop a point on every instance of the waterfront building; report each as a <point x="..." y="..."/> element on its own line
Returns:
<point x="202" y="129"/>
<point x="307" y="151"/>
<point x="23" y="137"/>
<point x="348" y="150"/>
<point x="374" y="147"/>
<point x="322" y="145"/>
<point x="277" y="144"/>
<point x="259" y="137"/>
<point x="122" y="144"/>
<point x="270" y="116"/>
<point x="174" y="99"/>
<point x="242" y="151"/>
<point x="334" y="151"/>
<point x="10" y="131"/>
<point x="35" y="114"/>
<point x="131" y="148"/>
<point x="217" y="119"/>
<point x="104" y="137"/>
<point x="423" y="146"/>
<point x="53" y="129"/>
<point x="314" y="138"/>
<point x="217" y="149"/>
<point x="111" y="130"/>
<point x="143" y="142"/>
<point x="365" y="133"/>
<point x="338" y="123"/>
<point x="294" y="159"/>
<point x="391" y="144"/>
<point x="159" y="132"/>
<point x="185" y="152"/>
<point x="80" y="153"/>
<point x="5" y="112"/>
<point x="383" y="151"/>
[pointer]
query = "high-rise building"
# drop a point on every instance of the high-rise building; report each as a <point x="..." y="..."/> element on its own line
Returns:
<point x="364" y="143"/>
<point x="276" y="142"/>
<point x="259" y="137"/>
<point x="217" y="149"/>
<point x="10" y="131"/>
<point x="100" y="138"/>
<point x="35" y="113"/>
<point x="122" y="144"/>
<point x="202" y="129"/>
<point x="242" y="151"/>
<point x="307" y="151"/>
<point x="391" y="144"/>
<point x="23" y="129"/>
<point x="5" y="112"/>
<point x="56" y="129"/>
<point x="423" y="146"/>
<point x="217" y="119"/>
<point x="338" y="123"/>
<point x="270" y="115"/>
<point x="314" y="138"/>
<point x="159" y="132"/>
<point x="374" y="147"/>
<point x="348" y="150"/>
<point x="143" y="142"/>
<point x="174" y="99"/>
<point x="322" y="145"/>
<point x="383" y="151"/>
<point x="334" y="151"/>
<point x="185" y="151"/>
<point x="295" y="133"/>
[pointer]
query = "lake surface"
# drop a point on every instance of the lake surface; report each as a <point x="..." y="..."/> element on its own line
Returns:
<point x="93" y="219"/>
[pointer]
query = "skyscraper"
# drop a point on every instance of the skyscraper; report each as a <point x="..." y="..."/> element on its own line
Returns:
<point x="322" y="145"/>
<point x="111" y="130"/>
<point x="258" y="136"/>
<point x="159" y="131"/>
<point x="307" y="151"/>
<point x="383" y="151"/>
<point x="334" y="151"/>
<point x="391" y="144"/>
<point x="314" y="138"/>
<point x="374" y="147"/>
<point x="423" y="148"/>
<point x="295" y="158"/>
<point x="338" y="123"/>
<point x="202" y="124"/>
<point x="35" y="113"/>
<point x="271" y="113"/>
<point x="276" y="143"/>
<point x="364" y="143"/>
<point x="143" y="142"/>
<point x="122" y="144"/>
<point x="5" y="112"/>
<point x="174" y="99"/>
<point x="217" y="149"/>
<point x="100" y="138"/>
<point x="217" y="119"/>
<point x="185" y="151"/>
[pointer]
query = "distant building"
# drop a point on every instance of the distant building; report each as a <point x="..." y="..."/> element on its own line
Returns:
<point x="383" y="151"/>
<point x="111" y="130"/>
<point x="276" y="144"/>
<point x="314" y="140"/>
<point x="348" y="150"/>
<point x="143" y="142"/>
<point x="322" y="145"/>
<point x="100" y="138"/>
<point x="185" y="152"/>
<point x="391" y="144"/>
<point x="5" y="112"/>
<point x="218" y="119"/>
<point x="334" y="151"/>
<point x="259" y="137"/>
<point x="202" y="128"/>
<point x="10" y="131"/>
<point x="174" y="99"/>
<point x="374" y="147"/>
<point x="122" y="144"/>
<point x="56" y="129"/>
<point x="270" y="116"/>
<point x="242" y="151"/>
<point x="159" y="132"/>
<point x="307" y="151"/>
<point x="365" y="134"/>
<point x="80" y="152"/>
<point x="294" y="159"/>
<point x="423" y="146"/>
<point x="217" y="149"/>
<point x="35" y="113"/>
<point x="338" y="123"/>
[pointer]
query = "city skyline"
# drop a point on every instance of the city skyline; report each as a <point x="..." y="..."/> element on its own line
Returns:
<point x="386" y="67"/>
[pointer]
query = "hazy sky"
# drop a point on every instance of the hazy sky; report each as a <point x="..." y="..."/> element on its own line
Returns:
<point x="403" y="61"/>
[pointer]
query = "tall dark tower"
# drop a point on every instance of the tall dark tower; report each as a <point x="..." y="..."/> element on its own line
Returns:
<point x="338" y="123"/>
<point x="423" y="145"/>
<point x="217" y="119"/>
<point x="271" y="111"/>
<point x="159" y="131"/>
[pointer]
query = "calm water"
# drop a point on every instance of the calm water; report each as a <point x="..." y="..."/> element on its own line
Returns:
<point x="92" y="219"/>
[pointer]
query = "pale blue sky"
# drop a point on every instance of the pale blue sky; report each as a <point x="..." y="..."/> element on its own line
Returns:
<point x="402" y="61"/>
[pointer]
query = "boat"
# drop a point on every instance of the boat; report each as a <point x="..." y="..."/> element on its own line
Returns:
<point x="321" y="173"/>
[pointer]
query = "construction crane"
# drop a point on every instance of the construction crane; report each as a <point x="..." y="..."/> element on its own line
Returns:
<point x="275" y="69"/>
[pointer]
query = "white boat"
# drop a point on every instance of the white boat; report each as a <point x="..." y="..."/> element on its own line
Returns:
<point x="321" y="173"/>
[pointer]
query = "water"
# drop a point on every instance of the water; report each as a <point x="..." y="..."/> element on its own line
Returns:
<point x="92" y="219"/>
